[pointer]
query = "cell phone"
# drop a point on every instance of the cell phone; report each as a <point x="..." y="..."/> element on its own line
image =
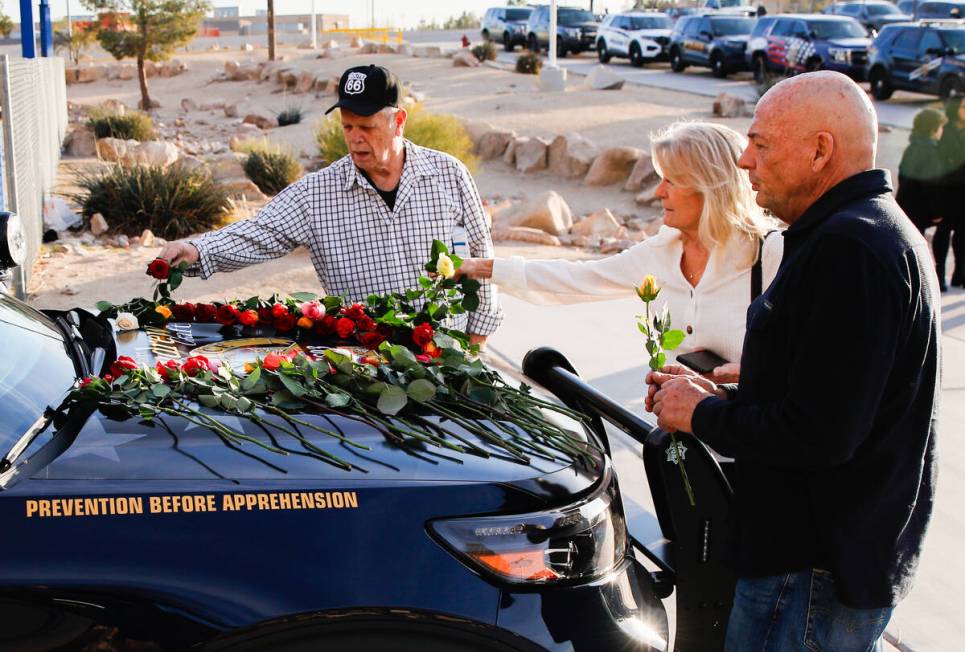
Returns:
<point x="703" y="362"/>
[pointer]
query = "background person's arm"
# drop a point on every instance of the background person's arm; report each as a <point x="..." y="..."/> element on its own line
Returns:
<point x="489" y="315"/>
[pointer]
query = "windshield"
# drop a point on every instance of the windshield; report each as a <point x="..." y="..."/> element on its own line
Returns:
<point x="35" y="371"/>
<point x="733" y="26"/>
<point x="574" y="16"/>
<point x="733" y="3"/>
<point x="828" y="29"/>
<point x="955" y="40"/>
<point x="650" y="22"/>
<point x="518" y="14"/>
<point x="882" y="10"/>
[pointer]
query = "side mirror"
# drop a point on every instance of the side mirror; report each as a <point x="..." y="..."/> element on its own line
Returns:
<point x="706" y="34"/>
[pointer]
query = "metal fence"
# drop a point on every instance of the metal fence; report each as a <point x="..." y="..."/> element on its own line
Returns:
<point x="33" y="97"/>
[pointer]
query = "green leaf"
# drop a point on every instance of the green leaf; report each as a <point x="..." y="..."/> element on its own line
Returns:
<point x="337" y="400"/>
<point x="426" y="282"/>
<point x="160" y="390"/>
<point x="421" y="390"/>
<point x="672" y="339"/>
<point x="470" y="302"/>
<point x="392" y="400"/>
<point x="659" y="360"/>
<point x="174" y="279"/>
<point x="375" y="389"/>
<point x="643" y="328"/>
<point x="293" y="386"/>
<point x="302" y="297"/>
<point x="482" y="394"/>
<point x="251" y="379"/>
<point x="209" y="400"/>
<point x="469" y="285"/>
<point x="104" y="306"/>
<point x="282" y="398"/>
<point x="229" y="401"/>
<point x="244" y="404"/>
<point x="402" y="358"/>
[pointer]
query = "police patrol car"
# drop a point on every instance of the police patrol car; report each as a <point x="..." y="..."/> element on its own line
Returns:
<point x="639" y="36"/>
<point x="925" y="57"/>
<point x="122" y="534"/>
<point x="716" y="41"/>
<point x="807" y="42"/>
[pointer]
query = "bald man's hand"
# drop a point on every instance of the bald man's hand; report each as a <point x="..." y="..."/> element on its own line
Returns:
<point x="180" y="251"/>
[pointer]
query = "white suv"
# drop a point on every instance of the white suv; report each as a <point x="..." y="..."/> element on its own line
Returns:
<point x="640" y="36"/>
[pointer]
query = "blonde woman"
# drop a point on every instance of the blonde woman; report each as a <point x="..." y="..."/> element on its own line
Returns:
<point x="704" y="256"/>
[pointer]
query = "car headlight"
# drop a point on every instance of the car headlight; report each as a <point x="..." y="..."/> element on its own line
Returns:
<point x="840" y="55"/>
<point x="577" y="543"/>
<point x="13" y="243"/>
<point x="519" y="29"/>
<point x="575" y="33"/>
<point x="735" y="45"/>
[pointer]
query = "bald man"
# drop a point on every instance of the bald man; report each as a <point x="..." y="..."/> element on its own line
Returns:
<point x="833" y="423"/>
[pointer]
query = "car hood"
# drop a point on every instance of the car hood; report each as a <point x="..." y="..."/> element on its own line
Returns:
<point x="651" y="33"/>
<point x="173" y="448"/>
<point x="854" y="42"/>
<point x="893" y="18"/>
<point x="741" y="38"/>
<point x="586" y="27"/>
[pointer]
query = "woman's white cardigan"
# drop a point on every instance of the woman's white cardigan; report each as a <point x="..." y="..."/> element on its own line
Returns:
<point x="711" y="314"/>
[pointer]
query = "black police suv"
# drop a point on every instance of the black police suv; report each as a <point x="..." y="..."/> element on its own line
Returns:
<point x="936" y="9"/>
<point x="121" y="534"/>
<point x="872" y="15"/>
<point x="924" y="57"/>
<point x="506" y="25"/>
<point x="715" y="41"/>
<point x="806" y="42"/>
<point x="576" y="30"/>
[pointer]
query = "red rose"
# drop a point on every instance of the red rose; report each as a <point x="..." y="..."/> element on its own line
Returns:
<point x="284" y="323"/>
<point x="264" y="316"/>
<point x="205" y="313"/>
<point x="195" y="365"/>
<point x="165" y="368"/>
<point x="248" y="318"/>
<point x="344" y="327"/>
<point x="159" y="269"/>
<point x="423" y="358"/>
<point x="371" y="340"/>
<point x="184" y="311"/>
<point x="108" y="379"/>
<point x="431" y="350"/>
<point x="365" y="323"/>
<point x="273" y="361"/>
<point x="279" y="310"/>
<point x="354" y="312"/>
<point x="122" y="365"/>
<point x="422" y="334"/>
<point x="87" y="381"/>
<point x="227" y="314"/>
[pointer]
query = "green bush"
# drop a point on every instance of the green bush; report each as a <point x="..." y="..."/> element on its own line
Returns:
<point x="134" y="125"/>
<point x="272" y="171"/>
<point x="290" y="116"/>
<point x="437" y="131"/>
<point x="173" y="202"/>
<point x="485" y="51"/>
<point x="529" y="63"/>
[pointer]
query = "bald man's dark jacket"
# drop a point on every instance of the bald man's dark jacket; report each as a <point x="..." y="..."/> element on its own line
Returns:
<point x="833" y="424"/>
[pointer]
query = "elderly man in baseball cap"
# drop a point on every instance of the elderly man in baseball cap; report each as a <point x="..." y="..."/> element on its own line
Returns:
<point x="369" y="218"/>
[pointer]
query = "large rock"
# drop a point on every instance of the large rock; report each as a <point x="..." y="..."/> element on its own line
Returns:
<point x="427" y="51"/>
<point x="547" y="212"/>
<point x="191" y="163"/>
<point x="385" y="48"/>
<point x="571" y="156"/>
<point x="616" y="245"/>
<point x="509" y="156"/>
<point x="98" y="225"/>
<point x="242" y="71"/>
<point x="602" y="78"/>
<point x="154" y="153"/>
<point x="212" y="106"/>
<point x="524" y="234"/>
<point x="493" y="144"/>
<point x="172" y="68"/>
<point x="244" y="133"/>
<point x="729" y="106"/>
<point x="357" y="42"/>
<point x="369" y="48"/>
<point x="81" y="142"/>
<point x="86" y="74"/>
<point x="114" y="149"/>
<point x="188" y="105"/>
<point x="327" y="85"/>
<point x="530" y="154"/>
<point x="114" y="106"/>
<point x="465" y="59"/>
<point x="646" y="197"/>
<point x="642" y="174"/>
<point x="242" y="187"/>
<point x="602" y="223"/>
<point x="475" y="128"/>
<point x="226" y="166"/>
<point x="613" y="165"/>
<point x="259" y="121"/>
<point x="305" y="82"/>
<point x="232" y="109"/>
<point x="405" y="50"/>
<point x="123" y="71"/>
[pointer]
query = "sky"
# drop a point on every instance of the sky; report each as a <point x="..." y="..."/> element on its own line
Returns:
<point x="388" y="13"/>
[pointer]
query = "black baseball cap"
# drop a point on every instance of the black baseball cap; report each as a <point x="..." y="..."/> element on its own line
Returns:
<point x="366" y="90"/>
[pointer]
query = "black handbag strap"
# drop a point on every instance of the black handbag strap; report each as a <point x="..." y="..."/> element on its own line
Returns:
<point x="757" y="271"/>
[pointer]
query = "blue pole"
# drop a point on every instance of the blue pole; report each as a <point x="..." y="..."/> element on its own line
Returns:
<point x="27" y="45"/>
<point x="46" y="30"/>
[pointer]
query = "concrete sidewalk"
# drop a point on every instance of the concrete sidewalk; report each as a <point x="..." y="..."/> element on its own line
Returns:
<point x="602" y="342"/>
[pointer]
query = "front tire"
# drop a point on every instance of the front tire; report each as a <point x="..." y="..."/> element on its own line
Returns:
<point x="717" y="65"/>
<point x="636" y="56"/>
<point x="532" y="44"/>
<point x="602" y="53"/>
<point x="508" y="42"/>
<point x="951" y="86"/>
<point x="760" y="69"/>
<point x="560" y="48"/>
<point x="677" y="61"/>
<point x="881" y="88"/>
<point x="486" y="36"/>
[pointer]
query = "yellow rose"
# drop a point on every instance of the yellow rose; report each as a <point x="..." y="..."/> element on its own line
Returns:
<point x="649" y="289"/>
<point x="164" y="311"/>
<point x="445" y="267"/>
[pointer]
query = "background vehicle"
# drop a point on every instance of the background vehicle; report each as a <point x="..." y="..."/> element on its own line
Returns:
<point x="676" y="13"/>
<point x="640" y="36"/>
<point x="506" y="25"/>
<point x="940" y="9"/>
<point x="872" y="15"/>
<point x="925" y="57"/>
<point x="716" y="41"/>
<point x="576" y="30"/>
<point x="733" y="7"/>
<point x="805" y="42"/>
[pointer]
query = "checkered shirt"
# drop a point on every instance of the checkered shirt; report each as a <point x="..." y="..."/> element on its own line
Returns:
<point x="358" y="246"/>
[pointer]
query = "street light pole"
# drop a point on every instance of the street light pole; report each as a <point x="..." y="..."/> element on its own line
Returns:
<point x="552" y="34"/>
<point x="314" y="29"/>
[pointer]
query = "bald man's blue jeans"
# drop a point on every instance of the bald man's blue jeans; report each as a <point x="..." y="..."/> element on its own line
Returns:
<point x="800" y="612"/>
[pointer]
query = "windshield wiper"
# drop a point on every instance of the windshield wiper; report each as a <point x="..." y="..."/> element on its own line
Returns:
<point x="37" y="427"/>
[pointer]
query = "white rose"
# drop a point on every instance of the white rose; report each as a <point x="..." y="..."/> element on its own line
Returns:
<point x="126" y="321"/>
<point x="445" y="267"/>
